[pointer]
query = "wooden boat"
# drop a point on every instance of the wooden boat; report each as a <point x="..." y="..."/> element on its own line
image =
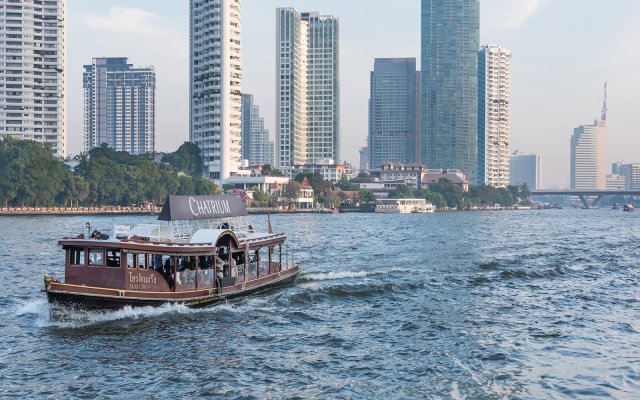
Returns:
<point x="202" y="252"/>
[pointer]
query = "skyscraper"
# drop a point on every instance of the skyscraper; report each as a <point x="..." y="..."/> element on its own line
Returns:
<point x="256" y="146"/>
<point x="589" y="152"/>
<point x="33" y="83"/>
<point x="494" y="94"/>
<point x="307" y="88"/>
<point x="525" y="168"/>
<point x="364" y="158"/>
<point x="215" y="79"/>
<point x="393" y="102"/>
<point x="449" y="84"/>
<point x="119" y="106"/>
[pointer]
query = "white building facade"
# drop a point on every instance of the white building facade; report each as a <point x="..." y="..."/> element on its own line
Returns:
<point x="525" y="168"/>
<point x="215" y="84"/>
<point x="33" y="74"/>
<point x="119" y="106"/>
<point x="588" y="156"/>
<point x="494" y="96"/>
<point x="307" y="88"/>
<point x="327" y="168"/>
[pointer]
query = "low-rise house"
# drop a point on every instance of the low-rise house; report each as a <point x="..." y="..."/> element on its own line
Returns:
<point x="455" y="176"/>
<point x="327" y="168"/>
<point x="381" y="189"/>
<point x="264" y="183"/>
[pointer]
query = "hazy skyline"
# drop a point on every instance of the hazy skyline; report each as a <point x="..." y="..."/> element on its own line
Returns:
<point x="563" y="51"/>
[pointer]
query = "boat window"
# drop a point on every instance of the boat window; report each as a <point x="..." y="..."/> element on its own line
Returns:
<point x="96" y="258"/>
<point x="156" y="261"/>
<point x="263" y="262"/>
<point x="130" y="260"/>
<point x="142" y="262"/>
<point x="113" y="258"/>
<point x="76" y="256"/>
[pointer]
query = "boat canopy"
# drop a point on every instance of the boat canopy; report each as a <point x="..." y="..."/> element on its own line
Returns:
<point x="184" y="208"/>
<point x="215" y="237"/>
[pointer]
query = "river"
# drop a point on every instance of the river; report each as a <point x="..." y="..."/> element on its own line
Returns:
<point x="505" y="304"/>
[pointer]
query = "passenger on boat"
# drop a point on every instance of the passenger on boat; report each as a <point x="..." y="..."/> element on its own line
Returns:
<point x="157" y="262"/>
<point x="113" y="259"/>
<point x="233" y="268"/>
<point x="220" y="264"/>
<point x="185" y="272"/>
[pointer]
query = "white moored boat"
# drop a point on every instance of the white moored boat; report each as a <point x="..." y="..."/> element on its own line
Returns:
<point x="403" y="206"/>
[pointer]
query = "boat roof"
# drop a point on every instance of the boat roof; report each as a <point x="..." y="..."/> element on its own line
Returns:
<point x="186" y="208"/>
<point x="204" y="240"/>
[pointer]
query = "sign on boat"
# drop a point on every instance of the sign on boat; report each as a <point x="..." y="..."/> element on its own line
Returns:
<point x="202" y="251"/>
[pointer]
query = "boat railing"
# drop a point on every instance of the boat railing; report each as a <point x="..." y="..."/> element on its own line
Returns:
<point x="288" y="257"/>
<point x="151" y="231"/>
<point x="182" y="230"/>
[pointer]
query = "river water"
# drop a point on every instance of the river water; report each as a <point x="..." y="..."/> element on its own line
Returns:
<point x="508" y="304"/>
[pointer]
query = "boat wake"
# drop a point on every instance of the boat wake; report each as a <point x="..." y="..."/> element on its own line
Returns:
<point x="325" y="276"/>
<point x="38" y="310"/>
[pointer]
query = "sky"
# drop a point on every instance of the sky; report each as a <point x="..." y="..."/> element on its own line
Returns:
<point x="562" y="53"/>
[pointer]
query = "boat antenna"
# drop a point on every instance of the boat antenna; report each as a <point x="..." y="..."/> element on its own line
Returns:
<point x="604" y="104"/>
<point x="269" y="221"/>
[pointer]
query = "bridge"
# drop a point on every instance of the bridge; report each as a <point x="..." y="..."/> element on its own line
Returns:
<point x="585" y="194"/>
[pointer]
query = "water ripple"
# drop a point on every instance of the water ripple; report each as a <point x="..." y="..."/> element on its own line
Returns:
<point x="538" y="304"/>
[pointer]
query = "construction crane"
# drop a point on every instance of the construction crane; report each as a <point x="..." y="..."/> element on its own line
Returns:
<point x="604" y="104"/>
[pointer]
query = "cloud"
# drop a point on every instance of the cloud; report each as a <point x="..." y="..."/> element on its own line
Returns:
<point x="126" y="20"/>
<point x="511" y="14"/>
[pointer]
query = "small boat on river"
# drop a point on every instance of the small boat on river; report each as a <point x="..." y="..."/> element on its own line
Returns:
<point x="203" y="251"/>
<point x="628" y="207"/>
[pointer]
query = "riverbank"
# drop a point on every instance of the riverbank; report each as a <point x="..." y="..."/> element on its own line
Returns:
<point x="97" y="210"/>
<point x="118" y="210"/>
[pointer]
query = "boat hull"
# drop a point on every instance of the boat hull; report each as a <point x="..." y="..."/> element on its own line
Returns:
<point x="64" y="298"/>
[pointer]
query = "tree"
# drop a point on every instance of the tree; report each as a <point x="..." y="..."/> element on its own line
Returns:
<point x="366" y="197"/>
<point x="524" y="194"/>
<point x="290" y="194"/>
<point x="402" y="192"/>
<point x="260" y="197"/>
<point x="30" y="175"/>
<point x="186" y="159"/>
<point x="451" y="193"/>
<point x="363" y="177"/>
<point x="344" y="182"/>
<point x="268" y="170"/>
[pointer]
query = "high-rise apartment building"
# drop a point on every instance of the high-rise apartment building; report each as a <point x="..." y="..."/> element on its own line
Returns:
<point x="494" y="94"/>
<point x="119" y="106"/>
<point x="629" y="173"/>
<point x="256" y="146"/>
<point x="364" y="158"/>
<point x="307" y="88"/>
<point x="588" y="156"/>
<point x="589" y="153"/>
<point x="449" y="84"/>
<point x="215" y="79"/>
<point x="33" y="72"/>
<point x="393" y="112"/>
<point x="525" y="168"/>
